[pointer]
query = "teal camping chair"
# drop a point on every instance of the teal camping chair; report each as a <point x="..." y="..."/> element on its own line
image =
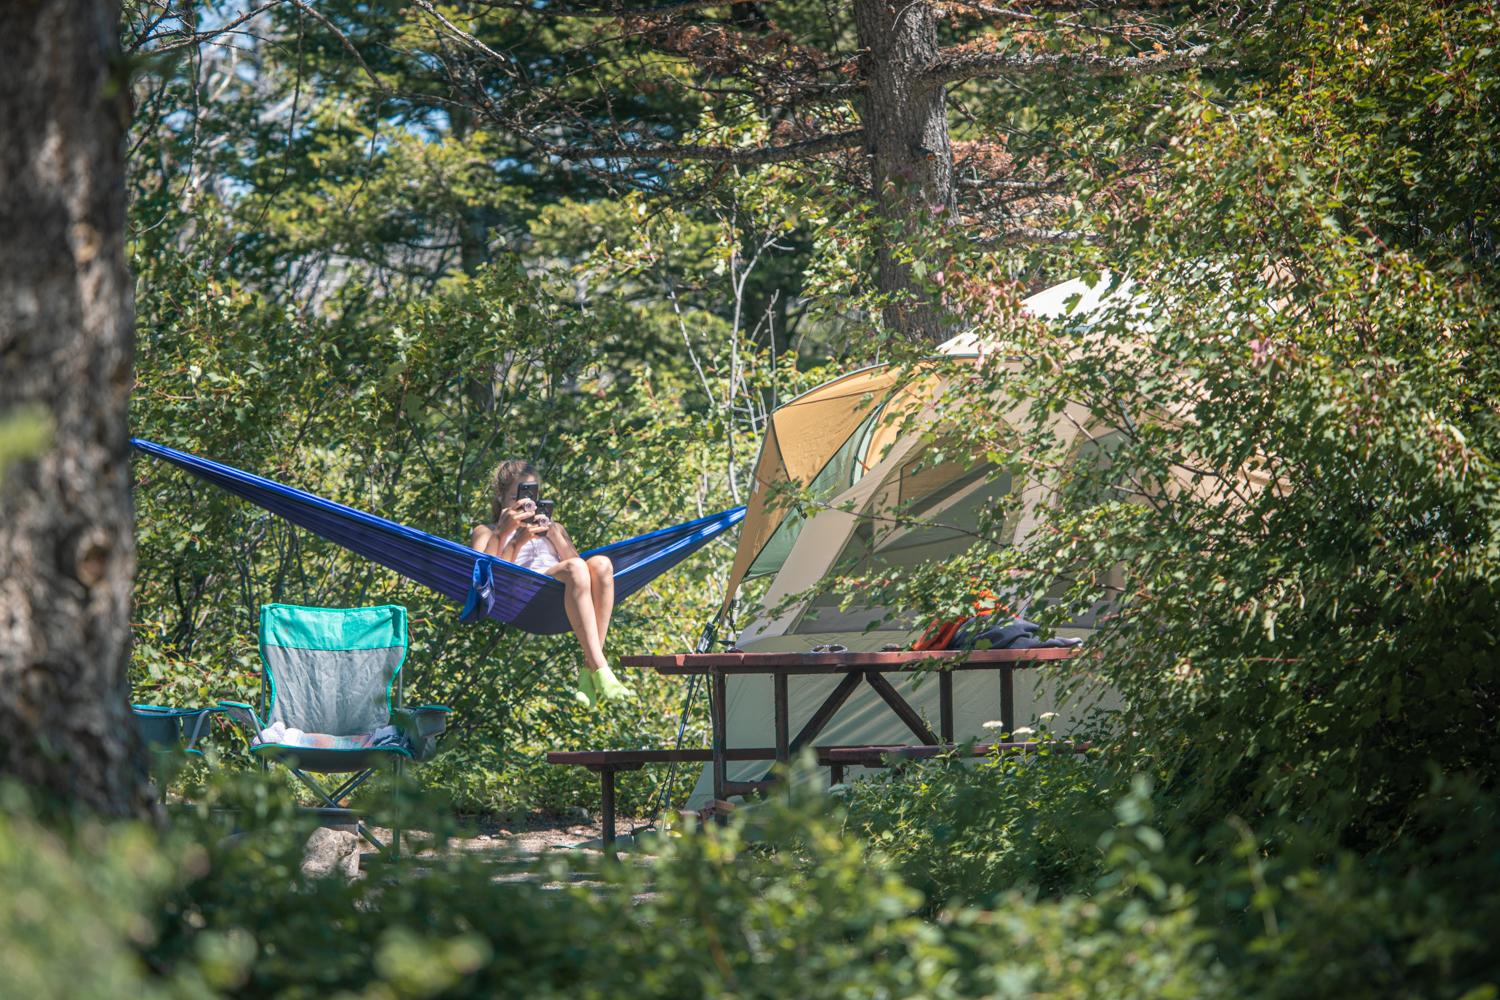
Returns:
<point x="328" y="679"/>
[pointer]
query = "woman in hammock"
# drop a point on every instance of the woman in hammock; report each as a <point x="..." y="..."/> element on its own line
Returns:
<point x="522" y="536"/>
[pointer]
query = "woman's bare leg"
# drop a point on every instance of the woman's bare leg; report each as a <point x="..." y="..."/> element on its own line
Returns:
<point x="602" y="587"/>
<point x="578" y="602"/>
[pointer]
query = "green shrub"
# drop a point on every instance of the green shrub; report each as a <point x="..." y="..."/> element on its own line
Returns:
<point x="970" y="833"/>
<point x="780" y="902"/>
<point x="74" y="907"/>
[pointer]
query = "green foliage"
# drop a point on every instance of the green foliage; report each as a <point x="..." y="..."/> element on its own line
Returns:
<point x="778" y="904"/>
<point x="1311" y="527"/>
<point x="408" y="419"/>
<point x="781" y="902"/>
<point x="348" y="282"/>
<point x="67" y="897"/>
<point x="973" y="833"/>
<point x="1269" y="472"/>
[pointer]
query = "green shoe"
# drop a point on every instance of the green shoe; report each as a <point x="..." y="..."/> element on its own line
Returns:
<point x="607" y="687"/>
<point x="587" y="694"/>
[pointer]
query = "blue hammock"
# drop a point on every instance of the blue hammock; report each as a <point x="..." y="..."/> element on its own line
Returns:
<point x="487" y="587"/>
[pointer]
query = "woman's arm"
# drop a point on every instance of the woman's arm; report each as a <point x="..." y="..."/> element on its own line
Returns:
<point x="562" y="542"/>
<point x="518" y="538"/>
<point x="503" y="540"/>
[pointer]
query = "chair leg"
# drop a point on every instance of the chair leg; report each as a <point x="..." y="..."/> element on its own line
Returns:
<point x="344" y="790"/>
<point x="396" y="816"/>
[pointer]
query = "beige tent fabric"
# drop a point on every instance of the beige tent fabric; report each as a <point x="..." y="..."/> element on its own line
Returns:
<point x="816" y="424"/>
<point x="805" y="434"/>
<point x="907" y="410"/>
<point x="822" y="538"/>
<point x="827" y="534"/>
<point x="761" y="519"/>
<point x="801" y="438"/>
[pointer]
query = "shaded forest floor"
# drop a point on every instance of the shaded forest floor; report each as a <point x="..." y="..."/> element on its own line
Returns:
<point x="529" y="841"/>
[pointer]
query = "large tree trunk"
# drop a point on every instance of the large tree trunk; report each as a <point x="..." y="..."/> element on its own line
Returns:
<point x="906" y="127"/>
<point x="66" y="550"/>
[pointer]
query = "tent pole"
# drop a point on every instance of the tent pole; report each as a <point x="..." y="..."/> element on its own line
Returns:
<point x="706" y="641"/>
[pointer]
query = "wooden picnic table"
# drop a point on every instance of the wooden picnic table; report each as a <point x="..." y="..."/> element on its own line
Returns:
<point x="857" y="668"/>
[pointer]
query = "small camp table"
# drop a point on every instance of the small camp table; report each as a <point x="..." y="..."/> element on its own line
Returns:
<point x="857" y="668"/>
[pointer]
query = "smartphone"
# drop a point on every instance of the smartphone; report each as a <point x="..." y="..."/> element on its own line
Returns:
<point x="544" y="508"/>
<point x="528" y="491"/>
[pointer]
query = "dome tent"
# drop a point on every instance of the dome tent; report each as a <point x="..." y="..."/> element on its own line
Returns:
<point x="860" y="445"/>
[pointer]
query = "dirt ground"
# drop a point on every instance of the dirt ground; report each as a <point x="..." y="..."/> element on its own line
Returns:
<point x="540" y="835"/>
<point x="535" y="837"/>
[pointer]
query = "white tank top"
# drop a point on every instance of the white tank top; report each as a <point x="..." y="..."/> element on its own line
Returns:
<point x="536" y="554"/>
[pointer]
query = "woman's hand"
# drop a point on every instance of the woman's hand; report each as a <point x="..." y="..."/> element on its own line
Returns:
<point x="512" y="518"/>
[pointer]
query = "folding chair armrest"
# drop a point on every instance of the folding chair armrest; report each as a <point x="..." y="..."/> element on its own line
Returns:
<point x="200" y="725"/>
<point x="422" y="726"/>
<point x="243" y="715"/>
<point x="422" y="720"/>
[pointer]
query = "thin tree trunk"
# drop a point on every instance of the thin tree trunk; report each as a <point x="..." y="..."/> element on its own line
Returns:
<point x="473" y="232"/>
<point x="911" y="159"/>
<point x="67" y="554"/>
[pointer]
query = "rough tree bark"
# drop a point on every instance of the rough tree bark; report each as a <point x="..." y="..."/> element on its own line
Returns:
<point x="67" y="554"/>
<point x="911" y="159"/>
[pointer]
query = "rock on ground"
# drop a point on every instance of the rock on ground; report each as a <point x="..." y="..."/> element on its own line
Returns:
<point x="331" y="851"/>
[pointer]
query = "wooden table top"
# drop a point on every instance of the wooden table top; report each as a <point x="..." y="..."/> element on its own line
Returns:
<point x="830" y="663"/>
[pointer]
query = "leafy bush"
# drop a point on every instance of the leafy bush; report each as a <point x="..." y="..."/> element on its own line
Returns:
<point x="971" y="833"/>
<point x="780" y="902"/>
<point x="1279" y="499"/>
<point x="777" y="904"/>
<point x="75" y="910"/>
<point x="1268" y="473"/>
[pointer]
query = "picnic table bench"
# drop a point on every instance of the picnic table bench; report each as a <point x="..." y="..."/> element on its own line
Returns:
<point x="608" y="763"/>
<point x="837" y="758"/>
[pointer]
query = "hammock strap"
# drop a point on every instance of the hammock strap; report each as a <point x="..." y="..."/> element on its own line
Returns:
<point x="481" y="599"/>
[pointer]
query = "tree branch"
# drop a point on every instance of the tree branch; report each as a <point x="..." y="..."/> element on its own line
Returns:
<point x="199" y="37"/>
<point x="954" y="66"/>
<point x="747" y="156"/>
<point x="1028" y="236"/>
<point x="1023" y="14"/>
<point x="460" y="33"/>
<point x="614" y="11"/>
<point x="348" y="45"/>
<point x="992" y="184"/>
